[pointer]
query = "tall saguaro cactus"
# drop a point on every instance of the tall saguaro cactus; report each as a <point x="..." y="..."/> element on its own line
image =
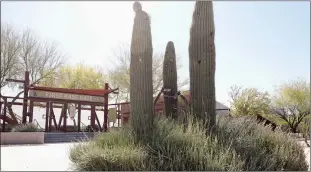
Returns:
<point x="202" y="62"/>
<point x="141" y="91"/>
<point x="170" y="80"/>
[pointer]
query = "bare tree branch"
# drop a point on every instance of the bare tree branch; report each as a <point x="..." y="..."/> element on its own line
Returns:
<point x="120" y="74"/>
<point x="10" y="48"/>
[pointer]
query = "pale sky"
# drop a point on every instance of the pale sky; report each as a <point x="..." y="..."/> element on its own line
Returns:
<point x="258" y="44"/>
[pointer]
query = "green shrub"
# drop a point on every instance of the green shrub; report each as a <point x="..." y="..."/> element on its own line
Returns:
<point x="28" y="127"/>
<point x="173" y="148"/>
<point x="238" y="144"/>
<point x="261" y="148"/>
<point x="168" y="148"/>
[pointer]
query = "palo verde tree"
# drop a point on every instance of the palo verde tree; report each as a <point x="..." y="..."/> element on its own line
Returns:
<point x="202" y="63"/>
<point x="141" y="89"/>
<point x="292" y="103"/>
<point x="76" y="77"/>
<point x="248" y="101"/>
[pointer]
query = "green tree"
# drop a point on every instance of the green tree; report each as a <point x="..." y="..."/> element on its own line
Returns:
<point x="248" y="101"/>
<point x="292" y="103"/>
<point x="76" y="77"/>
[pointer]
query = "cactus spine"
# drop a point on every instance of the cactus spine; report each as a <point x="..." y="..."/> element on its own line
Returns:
<point x="170" y="81"/>
<point x="202" y="63"/>
<point x="141" y="91"/>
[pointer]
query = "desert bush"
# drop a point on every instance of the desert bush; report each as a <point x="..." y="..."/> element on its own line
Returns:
<point x="238" y="144"/>
<point x="168" y="148"/>
<point x="28" y="127"/>
<point x="174" y="148"/>
<point x="261" y="148"/>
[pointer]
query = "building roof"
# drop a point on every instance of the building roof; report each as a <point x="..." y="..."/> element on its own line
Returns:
<point x="187" y="95"/>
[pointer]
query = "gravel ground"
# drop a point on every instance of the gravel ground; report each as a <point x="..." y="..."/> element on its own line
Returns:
<point x="49" y="157"/>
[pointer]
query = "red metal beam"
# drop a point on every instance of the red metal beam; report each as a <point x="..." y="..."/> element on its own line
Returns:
<point x="47" y="114"/>
<point x="30" y="111"/>
<point x="4" y="113"/>
<point x="50" y="116"/>
<point x="26" y="85"/>
<point x="60" y="119"/>
<point x="93" y="117"/>
<point x="96" y="117"/>
<point x="15" y="80"/>
<point x="54" y="106"/>
<point x="90" y="92"/>
<point x="79" y="117"/>
<point x="106" y="110"/>
<point x="54" y="118"/>
<point x="65" y="117"/>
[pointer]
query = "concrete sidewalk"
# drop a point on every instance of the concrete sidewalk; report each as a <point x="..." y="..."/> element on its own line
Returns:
<point x="47" y="157"/>
<point x="50" y="157"/>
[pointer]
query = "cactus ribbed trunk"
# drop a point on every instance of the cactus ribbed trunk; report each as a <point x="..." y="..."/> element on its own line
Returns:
<point x="202" y="63"/>
<point x="170" y="81"/>
<point x="141" y="91"/>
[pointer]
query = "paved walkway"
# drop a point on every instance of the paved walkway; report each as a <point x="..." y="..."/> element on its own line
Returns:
<point x="47" y="157"/>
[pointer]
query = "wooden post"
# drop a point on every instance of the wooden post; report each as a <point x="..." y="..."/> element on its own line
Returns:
<point x="65" y="117"/>
<point x="50" y="116"/>
<point x="106" y="109"/>
<point x="4" y="114"/>
<point x="25" y="100"/>
<point x="93" y="117"/>
<point x="31" y="110"/>
<point x="47" y="114"/>
<point x="79" y="117"/>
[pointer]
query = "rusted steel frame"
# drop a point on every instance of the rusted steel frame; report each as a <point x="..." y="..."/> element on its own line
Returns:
<point x="105" y="123"/>
<point x="54" y="106"/>
<point x="60" y="119"/>
<point x="113" y="104"/>
<point x="25" y="103"/>
<point x="86" y="92"/>
<point x="118" y="114"/>
<point x="60" y="101"/>
<point x="54" y="118"/>
<point x="93" y="117"/>
<point x="79" y="117"/>
<point x="65" y="117"/>
<point x="96" y="117"/>
<point x="50" y="116"/>
<point x="47" y="114"/>
<point x="31" y="110"/>
<point x="15" y="80"/>
<point x="1" y="107"/>
<point x="4" y="114"/>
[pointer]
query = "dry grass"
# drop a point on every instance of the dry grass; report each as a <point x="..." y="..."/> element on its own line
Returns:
<point x="238" y="144"/>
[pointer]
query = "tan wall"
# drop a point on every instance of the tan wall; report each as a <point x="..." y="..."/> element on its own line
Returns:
<point x="22" y="138"/>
